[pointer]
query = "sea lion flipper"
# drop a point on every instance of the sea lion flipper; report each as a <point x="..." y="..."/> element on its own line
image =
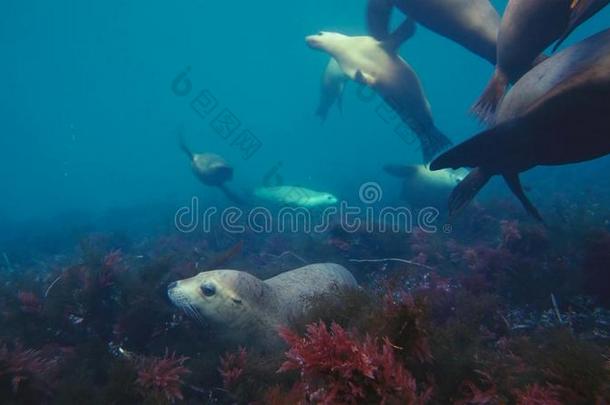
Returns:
<point x="486" y="105"/>
<point x="581" y="11"/>
<point x="433" y="141"/>
<point x="340" y="98"/>
<point x="332" y="88"/>
<point x="378" y="13"/>
<point x="465" y="192"/>
<point x="182" y="144"/>
<point x="515" y="186"/>
<point x="364" y="78"/>
<point x="401" y="34"/>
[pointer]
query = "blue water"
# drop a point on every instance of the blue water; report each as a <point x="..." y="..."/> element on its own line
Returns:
<point x="93" y="96"/>
<point x="88" y="117"/>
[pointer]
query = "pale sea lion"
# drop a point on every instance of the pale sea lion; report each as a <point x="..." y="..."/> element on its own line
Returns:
<point x="422" y="187"/>
<point x="212" y="170"/>
<point x="377" y="64"/>
<point x="528" y="27"/>
<point x="295" y="196"/>
<point x="473" y="24"/>
<point x="331" y="89"/>
<point x="251" y="309"/>
<point x="556" y="114"/>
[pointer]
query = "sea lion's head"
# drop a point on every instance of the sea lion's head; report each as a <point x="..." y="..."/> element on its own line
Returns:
<point x="325" y="41"/>
<point x="212" y="169"/>
<point x="320" y="200"/>
<point x="221" y="296"/>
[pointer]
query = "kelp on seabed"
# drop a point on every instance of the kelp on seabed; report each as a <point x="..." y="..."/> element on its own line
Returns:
<point x="473" y="322"/>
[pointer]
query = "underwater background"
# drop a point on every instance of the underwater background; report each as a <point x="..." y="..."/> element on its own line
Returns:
<point x="92" y="176"/>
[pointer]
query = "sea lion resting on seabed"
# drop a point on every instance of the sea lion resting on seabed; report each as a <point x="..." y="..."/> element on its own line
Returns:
<point x="250" y="309"/>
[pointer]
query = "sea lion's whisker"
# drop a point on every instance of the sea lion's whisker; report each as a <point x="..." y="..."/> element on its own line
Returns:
<point x="195" y="313"/>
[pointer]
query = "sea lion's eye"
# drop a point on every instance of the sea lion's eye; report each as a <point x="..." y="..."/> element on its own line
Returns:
<point x="208" y="290"/>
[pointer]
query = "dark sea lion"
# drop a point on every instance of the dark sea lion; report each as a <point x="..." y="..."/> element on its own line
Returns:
<point x="528" y="27"/>
<point x="212" y="170"/>
<point x="250" y="309"/>
<point x="377" y="64"/>
<point x="582" y="10"/>
<point x="558" y="113"/>
<point x="473" y="24"/>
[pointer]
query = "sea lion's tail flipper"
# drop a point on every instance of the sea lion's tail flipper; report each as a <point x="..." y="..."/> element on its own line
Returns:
<point x="378" y="14"/>
<point x="401" y="34"/>
<point x="465" y="192"/>
<point x="231" y="195"/>
<point x="182" y="143"/>
<point x="484" y="150"/>
<point x="582" y="10"/>
<point x="485" y="107"/>
<point x="515" y="186"/>
<point x="401" y="171"/>
<point x="433" y="141"/>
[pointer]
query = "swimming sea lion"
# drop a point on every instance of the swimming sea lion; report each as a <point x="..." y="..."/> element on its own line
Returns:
<point x="212" y="170"/>
<point x="582" y="10"/>
<point x="295" y="196"/>
<point x="528" y="27"/>
<point x="422" y="187"/>
<point x="376" y="64"/>
<point x="473" y="24"/>
<point x="558" y="113"/>
<point x="331" y="89"/>
<point x="249" y="308"/>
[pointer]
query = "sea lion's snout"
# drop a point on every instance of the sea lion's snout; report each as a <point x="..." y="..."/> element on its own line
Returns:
<point x="171" y="291"/>
<point x="313" y="41"/>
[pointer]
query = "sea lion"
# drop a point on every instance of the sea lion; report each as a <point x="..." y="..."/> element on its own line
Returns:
<point x="473" y="24"/>
<point x="331" y="89"/>
<point x="212" y="170"/>
<point x="251" y="309"/>
<point x="556" y="114"/>
<point x="582" y="10"/>
<point x="528" y="27"/>
<point x="422" y="187"/>
<point x="377" y="64"/>
<point x="295" y="196"/>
